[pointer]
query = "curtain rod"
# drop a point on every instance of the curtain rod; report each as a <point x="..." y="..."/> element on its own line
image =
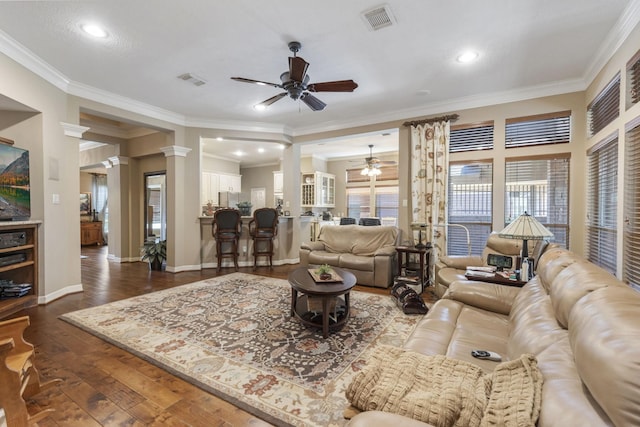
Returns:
<point x="450" y="117"/>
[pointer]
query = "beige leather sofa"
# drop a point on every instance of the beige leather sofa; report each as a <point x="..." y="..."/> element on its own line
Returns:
<point x="366" y="251"/>
<point x="580" y="322"/>
<point x="448" y="269"/>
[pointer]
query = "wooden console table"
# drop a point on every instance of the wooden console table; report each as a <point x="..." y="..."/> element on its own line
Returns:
<point x="91" y="233"/>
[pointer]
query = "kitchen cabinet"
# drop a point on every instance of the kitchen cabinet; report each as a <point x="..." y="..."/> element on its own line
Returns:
<point x="278" y="183"/>
<point x="212" y="183"/>
<point x="318" y="190"/>
<point x="209" y="188"/>
<point x="231" y="183"/>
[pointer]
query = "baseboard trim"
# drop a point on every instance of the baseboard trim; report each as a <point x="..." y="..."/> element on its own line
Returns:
<point x="180" y="268"/>
<point x="72" y="289"/>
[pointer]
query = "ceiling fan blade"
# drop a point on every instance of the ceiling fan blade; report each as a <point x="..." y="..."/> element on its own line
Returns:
<point x="257" y="82"/>
<point x="297" y="68"/>
<point x="314" y="103"/>
<point x="337" y="86"/>
<point x="273" y="99"/>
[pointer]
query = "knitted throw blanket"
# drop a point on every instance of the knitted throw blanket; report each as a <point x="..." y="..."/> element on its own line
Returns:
<point x="447" y="392"/>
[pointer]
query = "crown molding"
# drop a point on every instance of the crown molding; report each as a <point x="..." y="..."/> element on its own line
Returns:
<point x="468" y="102"/>
<point x="32" y="62"/>
<point x="618" y="34"/>
<point x="218" y="157"/>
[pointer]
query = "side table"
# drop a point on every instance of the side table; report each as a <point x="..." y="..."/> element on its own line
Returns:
<point x="405" y="263"/>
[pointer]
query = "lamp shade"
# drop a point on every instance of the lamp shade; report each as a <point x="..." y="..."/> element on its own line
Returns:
<point x="526" y="227"/>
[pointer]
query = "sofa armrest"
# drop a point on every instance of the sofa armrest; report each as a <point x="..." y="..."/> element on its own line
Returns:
<point x="385" y="251"/>
<point x="460" y="262"/>
<point x="487" y="296"/>
<point x="312" y="246"/>
<point x="383" y="419"/>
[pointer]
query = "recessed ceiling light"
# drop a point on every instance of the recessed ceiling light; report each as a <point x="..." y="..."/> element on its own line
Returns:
<point x="259" y="107"/>
<point x="260" y="150"/>
<point x="282" y="147"/>
<point x="219" y="138"/>
<point x="468" y="56"/>
<point x="94" y="30"/>
<point x="239" y="153"/>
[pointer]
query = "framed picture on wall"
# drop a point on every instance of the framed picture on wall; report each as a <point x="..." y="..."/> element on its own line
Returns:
<point x="85" y="203"/>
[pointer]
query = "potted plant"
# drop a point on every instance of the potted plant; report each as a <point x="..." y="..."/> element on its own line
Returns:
<point x="155" y="252"/>
<point x="324" y="272"/>
<point x="244" y="208"/>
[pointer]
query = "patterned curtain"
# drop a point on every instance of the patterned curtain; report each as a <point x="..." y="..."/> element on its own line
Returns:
<point x="430" y="173"/>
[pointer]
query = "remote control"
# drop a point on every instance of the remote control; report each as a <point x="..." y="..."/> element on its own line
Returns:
<point x="486" y="355"/>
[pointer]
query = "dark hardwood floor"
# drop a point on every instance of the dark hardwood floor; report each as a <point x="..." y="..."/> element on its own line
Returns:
<point x="104" y="385"/>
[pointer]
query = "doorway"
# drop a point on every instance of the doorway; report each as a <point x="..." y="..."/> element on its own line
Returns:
<point x="155" y="202"/>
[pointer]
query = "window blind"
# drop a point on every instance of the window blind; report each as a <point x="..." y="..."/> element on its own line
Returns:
<point x="602" y="202"/>
<point x="631" y="233"/>
<point x="470" y="204"/>
<point x="387" y="202"/>
<point x="471" y="137"/>
<point x="633" y="80"/>
<point x="358" y="202"/>
<point x="605" y="108"/>
<point x="554" y="128"/>
<point x="540" y="186"/>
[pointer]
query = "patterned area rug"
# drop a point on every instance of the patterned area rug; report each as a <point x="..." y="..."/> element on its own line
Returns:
<point x="232" y="336"/>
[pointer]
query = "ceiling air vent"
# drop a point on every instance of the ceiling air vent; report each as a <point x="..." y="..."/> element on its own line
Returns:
<point x="379" y="17"/>
<point x="192" y="78"/>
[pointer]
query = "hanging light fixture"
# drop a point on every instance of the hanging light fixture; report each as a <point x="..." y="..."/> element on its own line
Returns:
<point x="370" y="169"/>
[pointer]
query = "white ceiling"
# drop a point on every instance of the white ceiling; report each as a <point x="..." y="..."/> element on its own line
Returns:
<point x="527" y="48"/>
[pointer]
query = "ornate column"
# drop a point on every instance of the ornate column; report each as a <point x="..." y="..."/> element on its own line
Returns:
<point x="176" y="205"/>
<point x="118" y="182"/>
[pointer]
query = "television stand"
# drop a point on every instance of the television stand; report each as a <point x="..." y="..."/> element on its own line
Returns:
<point x="21" y="266"/>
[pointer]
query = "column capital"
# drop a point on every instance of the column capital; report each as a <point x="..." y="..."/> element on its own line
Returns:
<point x="119" y="160"/>
<point x="73" y="130"/>
<point x="175" y="150"/>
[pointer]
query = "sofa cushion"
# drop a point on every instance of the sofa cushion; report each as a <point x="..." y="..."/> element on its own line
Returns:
<point x="609" y="363"/>
<point x="565" y="399"/>
<point x="357" y="239"/>
<point x="574" y="282"/>
<point x="324" y="257"/>
<point x="533" y="324"/>
<point x="356" y="262"/>
<point x="454" y="329"/>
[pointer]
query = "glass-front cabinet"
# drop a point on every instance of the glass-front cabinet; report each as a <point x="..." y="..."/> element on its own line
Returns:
<point x="318" y="190"/>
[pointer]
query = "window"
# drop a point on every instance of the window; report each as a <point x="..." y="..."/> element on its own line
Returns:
<point x="471" y="137"/>
<point x="602" y="199"/>
<point x="470" y="204"/>
<point x="631" y="233"/>
<point x="605" y="107"/>
<point x="382" y="191"/>
<point x="633" y="81"/>
<point x="540" y="186"/>
<point x="552" y="128"/>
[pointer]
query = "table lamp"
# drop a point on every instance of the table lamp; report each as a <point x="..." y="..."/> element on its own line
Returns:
<point x="526" y="227"/>
<point x="419" y="226"/>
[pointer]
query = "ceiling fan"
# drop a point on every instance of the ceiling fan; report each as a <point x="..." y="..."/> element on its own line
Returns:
<point x="296" y="83"/>
<point x="372" y="164"/>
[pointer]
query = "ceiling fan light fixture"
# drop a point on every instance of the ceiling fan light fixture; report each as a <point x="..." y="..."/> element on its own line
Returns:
<point x="365" y="171"/>
<point x="260" y="107"/>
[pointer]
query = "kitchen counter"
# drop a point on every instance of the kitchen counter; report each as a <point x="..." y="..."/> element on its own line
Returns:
<point x="285" y="252"/>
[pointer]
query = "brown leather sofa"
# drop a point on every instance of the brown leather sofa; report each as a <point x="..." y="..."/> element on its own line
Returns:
<point x="580" y="322"/>
<point x="448" y="269"/>
<point x="367" y="252"/>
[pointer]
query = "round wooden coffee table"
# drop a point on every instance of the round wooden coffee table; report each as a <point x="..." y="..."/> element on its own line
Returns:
<point x="331" y="311"/>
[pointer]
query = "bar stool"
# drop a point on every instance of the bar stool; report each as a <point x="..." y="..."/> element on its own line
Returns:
<point x="263" y="228"/>
<point x="227" y="226"/>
